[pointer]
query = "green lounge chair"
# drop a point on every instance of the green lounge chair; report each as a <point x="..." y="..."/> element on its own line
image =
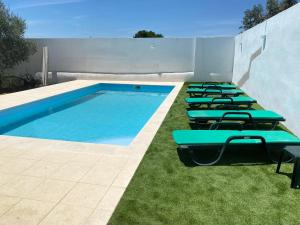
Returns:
<point x="248" y="116"/>
<point x="233" y="101"/>
<point x="212" y="91"/>
<point x="196" y="139"/>
<point x="214" y="85"/>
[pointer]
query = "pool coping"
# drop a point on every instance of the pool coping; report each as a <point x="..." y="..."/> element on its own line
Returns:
<point x="132" y="154"/>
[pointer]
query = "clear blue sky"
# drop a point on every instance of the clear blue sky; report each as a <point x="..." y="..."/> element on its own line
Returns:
<point x="122" y="18"/>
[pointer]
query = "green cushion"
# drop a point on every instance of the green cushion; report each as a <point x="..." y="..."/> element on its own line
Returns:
<point x="214" y="91"/>
<point x="219" y="137"/>
<point x="223" y="86"/>
<point x="236" y="100"/>
<point x="217" y="114"/>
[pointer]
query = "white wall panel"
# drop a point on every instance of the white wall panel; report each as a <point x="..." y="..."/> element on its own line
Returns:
<point x="176" y="57"/>
<point x="272" y="74"/>
<point x="214" y="59"/>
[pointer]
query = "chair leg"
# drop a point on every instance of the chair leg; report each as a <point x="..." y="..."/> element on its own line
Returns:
<point x="274" y="125"/>
<point x="296" y="175"/>
<point x="211" y="163"/>
<point x="279" y="161"/>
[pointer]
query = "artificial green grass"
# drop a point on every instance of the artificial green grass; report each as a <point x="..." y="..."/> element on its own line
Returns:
<point x="242" y="189"/>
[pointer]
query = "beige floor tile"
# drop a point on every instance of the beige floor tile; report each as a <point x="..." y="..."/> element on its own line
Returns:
<point x="42" y="169"/>
<point x="21" y="186"/>
<point x="3" y="144"/>
<point x="99" y="217"/>
<point x="111" y="198"/>
<point x="51" y="190"/>
<point x="26" y="212"/>
<point x="5" y="178"/>
<point x="110" y="161"/>
<point x="100" y="175"/>
<point x="16" y="165"/>
<point x="85" y="195"/>
<point x="67" y="215"/>
<point x="36" y="154"/>
<point x="87" y="158"/>
<point x="22" y="143"/>
<point x="4" y="160"/>
<point x="6" y="203"/>
<point x="124" y="177"/>
<point x="10" y="152"/>
<point x="59" y="156"/>
<point x="71" y="172"/>
<point x="75" y="147"/>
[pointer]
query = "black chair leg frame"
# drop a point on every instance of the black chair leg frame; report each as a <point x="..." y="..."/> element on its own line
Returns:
<point x="224" y="147"/>
<point x="296" y="170"/>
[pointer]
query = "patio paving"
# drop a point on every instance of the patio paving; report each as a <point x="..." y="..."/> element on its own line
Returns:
<point x="57" y="182"/>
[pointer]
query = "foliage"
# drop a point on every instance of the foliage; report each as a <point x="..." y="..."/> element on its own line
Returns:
<point x="257" y="14"/>
<point x="14" y="48"/>
<point x="253" y="17"/>
<point x="19" y="83"/>
<point x="147" y="34"/>
<point x="285" y="4"/>
<point x="272" y="8"/>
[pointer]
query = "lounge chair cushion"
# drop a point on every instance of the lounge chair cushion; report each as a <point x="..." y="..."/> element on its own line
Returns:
<point x="223" y="86"/>
<point x="218" y="114"/>
<point x="219" y="137"/>
<point x="236" y="100"/>
<point x="215" y="91"/>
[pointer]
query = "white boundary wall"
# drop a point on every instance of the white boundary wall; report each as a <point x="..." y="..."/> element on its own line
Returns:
<point x="270" y="71"/>
<point x="120" y="55"/>
<point x="214" y="59"/>
<point x="154" y="59"/>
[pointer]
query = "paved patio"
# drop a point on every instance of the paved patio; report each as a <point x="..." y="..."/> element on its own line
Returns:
<point x="56" y="182"/>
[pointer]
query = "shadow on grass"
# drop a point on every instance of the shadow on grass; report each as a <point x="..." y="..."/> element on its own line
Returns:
<point x="233" y="156"/>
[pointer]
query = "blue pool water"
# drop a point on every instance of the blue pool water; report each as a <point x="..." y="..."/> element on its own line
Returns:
<point x="102" y="113"/>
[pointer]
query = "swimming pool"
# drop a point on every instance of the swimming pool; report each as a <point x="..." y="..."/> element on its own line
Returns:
<point x="101" y="113"/>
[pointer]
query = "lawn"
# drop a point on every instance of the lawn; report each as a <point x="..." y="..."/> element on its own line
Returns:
<point x="242" y="189"/>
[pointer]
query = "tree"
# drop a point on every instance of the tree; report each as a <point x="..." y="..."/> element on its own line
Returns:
<point x="252" y="17"/>
<point x="272" y="8"/>
<point x="147" y="34"/>
<point x="285" y="4"/>
<point x="14" y="48"/>
<point x="256" y="15"/>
